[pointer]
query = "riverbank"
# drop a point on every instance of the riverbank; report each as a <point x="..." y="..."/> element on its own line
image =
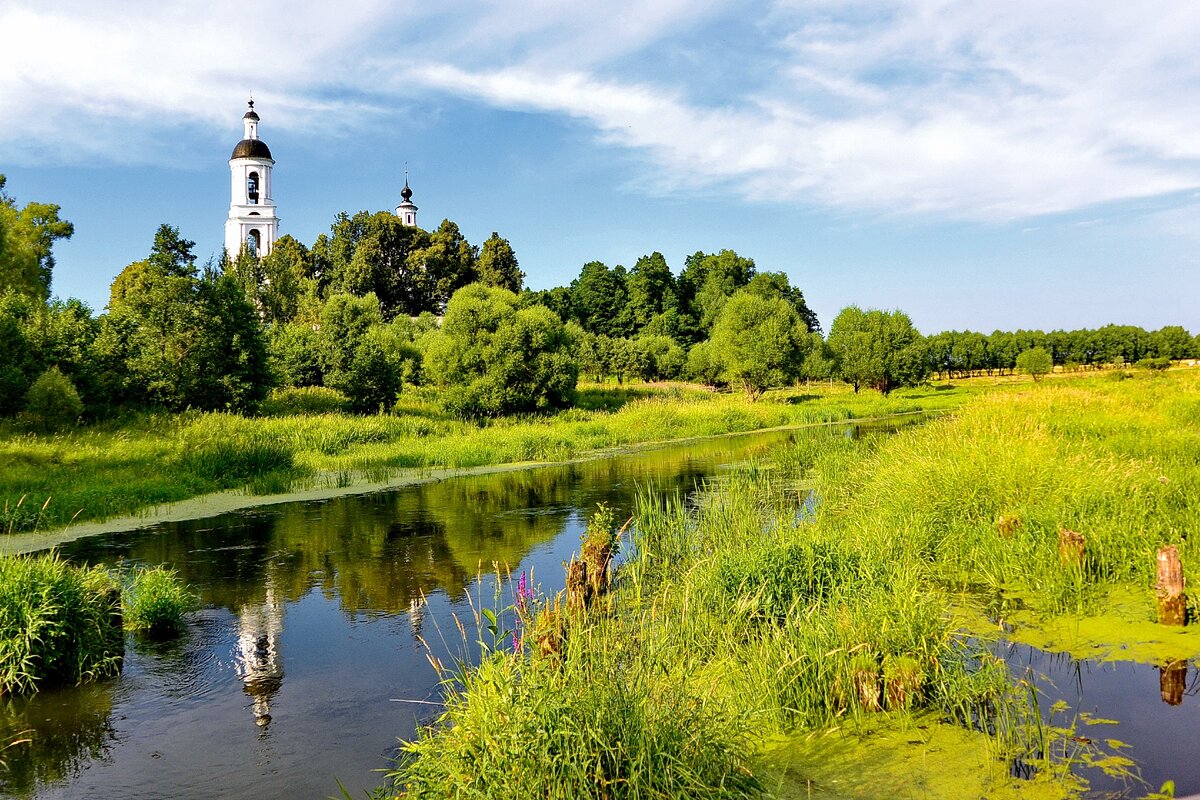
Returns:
<point x="756" y="633"/>
<point x="127" y="471"/>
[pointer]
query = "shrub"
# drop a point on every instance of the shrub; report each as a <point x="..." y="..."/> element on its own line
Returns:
<point x="1154" y="364"/>
<point x="1036" y="362"/>
<point x="52" y="402"/>
<point x="58" y="623"/>
<point x="156" y="600"/>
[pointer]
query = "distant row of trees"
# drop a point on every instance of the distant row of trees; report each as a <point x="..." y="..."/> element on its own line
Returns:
<point x="375" y="306"/>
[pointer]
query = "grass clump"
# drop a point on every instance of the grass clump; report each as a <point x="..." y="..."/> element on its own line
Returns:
<point x="156" y="601"/>
<point x="58" y="623"/>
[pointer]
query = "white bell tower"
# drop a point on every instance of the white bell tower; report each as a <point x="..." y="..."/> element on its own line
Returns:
<point x="252" y="222"/>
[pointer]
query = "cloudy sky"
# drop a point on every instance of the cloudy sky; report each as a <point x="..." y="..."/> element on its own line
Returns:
<point x="977" y="164"/>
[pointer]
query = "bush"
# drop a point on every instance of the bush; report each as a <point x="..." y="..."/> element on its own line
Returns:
<point x="156" y="600"/>
<point x="52" y="402"/>
<point x="1036" y="362"/>
<point x="1154" y="364"/>
<point x="58" y="623"/>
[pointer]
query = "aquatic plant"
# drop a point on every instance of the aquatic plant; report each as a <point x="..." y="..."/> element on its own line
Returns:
<point x="156" y="601"/>
<point x="58" y="623"/>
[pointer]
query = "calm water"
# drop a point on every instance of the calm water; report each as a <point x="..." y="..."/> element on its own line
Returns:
<point x="284" y="681"/>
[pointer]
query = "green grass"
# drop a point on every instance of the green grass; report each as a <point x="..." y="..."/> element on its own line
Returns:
<point x="58" y="623"/>
<point x="155" y="601"/>
<point x="759" y="621"/>
<point x="125" y="466"/>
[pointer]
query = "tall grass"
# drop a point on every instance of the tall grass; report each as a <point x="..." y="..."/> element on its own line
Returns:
<point x="156" y="601"/>
<point x="812" y="594"/>
<point x="58" y="623"/>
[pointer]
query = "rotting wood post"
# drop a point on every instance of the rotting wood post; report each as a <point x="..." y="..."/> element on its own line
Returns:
<point x="1071" y="545"/>
<point x="1172" y="682"/>
<point x="1172" y="602"/>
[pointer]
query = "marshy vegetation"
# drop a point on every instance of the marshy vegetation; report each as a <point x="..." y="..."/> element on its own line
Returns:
<point x="798" y="611"/>
<point x="120" y="468"/>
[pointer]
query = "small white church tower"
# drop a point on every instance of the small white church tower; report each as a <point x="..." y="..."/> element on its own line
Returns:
<point x="252" y="222"/>
<point x="407" y="210"/>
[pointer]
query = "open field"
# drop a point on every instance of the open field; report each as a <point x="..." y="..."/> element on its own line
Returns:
<point x="122" y="468"/>
<point x="760" y="641"/>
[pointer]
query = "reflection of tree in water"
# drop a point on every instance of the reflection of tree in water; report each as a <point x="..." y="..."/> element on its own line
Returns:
<point x="259" y="659"/>
<point x="380" y="553"/>
<point x="67" y="729"/>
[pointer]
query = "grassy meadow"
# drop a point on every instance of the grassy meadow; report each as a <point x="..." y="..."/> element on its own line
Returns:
<point x="124" y="467"/>
<point x="820" y="626"/>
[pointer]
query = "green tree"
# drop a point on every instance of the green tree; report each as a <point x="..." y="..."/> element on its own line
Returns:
<point x="52" y="401"/>
<point x="599" y="300"/>
<point x="776" y="284"/>
<point x="1036" y="362"/>
<point x="708" y="280"/>
<point x="442" y="267"/>
<point x="880" y="349"/>
<point x="177" y="339"/>
<point x="1172" y="342"/>
<point x="498" y="265"/>
<point x="489" y="358"/>
<point x="757" y="340"/>
<point x="651" y="289"/>
<point x="345" y="321"/>
<point x="27" y="237"/>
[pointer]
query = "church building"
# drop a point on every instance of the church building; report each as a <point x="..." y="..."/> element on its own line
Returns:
<point x="252" y="223"/>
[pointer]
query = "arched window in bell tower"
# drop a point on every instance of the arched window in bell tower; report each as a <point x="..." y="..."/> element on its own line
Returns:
<point x="252" y="188"/>
<point x="253" y="241"/>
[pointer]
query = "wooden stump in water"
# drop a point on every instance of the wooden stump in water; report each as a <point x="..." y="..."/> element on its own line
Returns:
<point x="1070" y="547"/>
<point x="1172" y="682"/>
<point x="1172" y="602"/>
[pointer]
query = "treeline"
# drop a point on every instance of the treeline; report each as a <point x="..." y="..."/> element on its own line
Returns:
<point x="375" y="306"/>
<point x="963" y="354"/>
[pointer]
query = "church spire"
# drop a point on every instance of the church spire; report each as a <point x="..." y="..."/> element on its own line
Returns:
<point x="407" y="210"/>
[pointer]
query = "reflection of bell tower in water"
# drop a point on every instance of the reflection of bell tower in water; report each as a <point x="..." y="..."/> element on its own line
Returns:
<point x="252" y="223"/>
<point x="259" y="660"/>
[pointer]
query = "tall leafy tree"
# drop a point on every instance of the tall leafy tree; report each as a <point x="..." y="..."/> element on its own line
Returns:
<point x="491" y="358"/>
<point x="599" y="299"/>
<point x="757" y="341"/>
<point x="498" y="265"/>
<point x="651" y="288"/>
<point x="175" y="338"/>
<point x="27" y="237"/>
<point x="440" y="268"/>
<point x="880" y="349"/>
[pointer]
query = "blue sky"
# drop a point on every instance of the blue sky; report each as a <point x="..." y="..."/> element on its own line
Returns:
<point x="978" y="165"/>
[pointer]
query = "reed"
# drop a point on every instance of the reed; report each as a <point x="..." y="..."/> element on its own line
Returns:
<point x="156" y="601"/>
<point x="58" y="623"/>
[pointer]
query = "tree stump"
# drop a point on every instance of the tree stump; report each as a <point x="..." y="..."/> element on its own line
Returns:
<point x="1070" y="547"/>
<point x="1172" y="682"/>
<point x="1172" y="602"/>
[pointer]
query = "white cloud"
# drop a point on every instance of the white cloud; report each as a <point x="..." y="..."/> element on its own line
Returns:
<point x="977" y="110"/>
